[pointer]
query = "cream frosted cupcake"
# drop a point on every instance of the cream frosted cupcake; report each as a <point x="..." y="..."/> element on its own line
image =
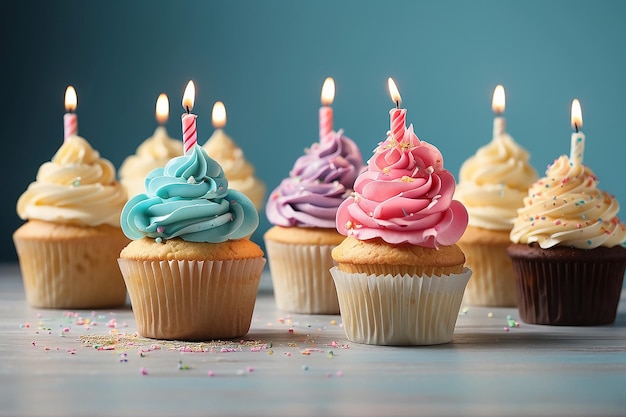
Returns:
<point x="400" y="277"/>
<point x="303" y="209"/>
<point x="238" y="170"/>
<point x="68" y="247"/>
<point x="567" y="249"/>
<point x="153" y="153"/>
<point x="492" y="186"/>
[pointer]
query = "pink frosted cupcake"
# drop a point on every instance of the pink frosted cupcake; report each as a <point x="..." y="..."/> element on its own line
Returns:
<point x="400" y="276"/>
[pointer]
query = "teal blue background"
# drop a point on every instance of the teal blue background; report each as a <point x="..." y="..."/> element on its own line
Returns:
<point x="267" y="61"/>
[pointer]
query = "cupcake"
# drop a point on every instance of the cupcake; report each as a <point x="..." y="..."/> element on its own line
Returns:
<point x="238" y="170"/>
<point x="153" y="153"/>
<point x="69" y="245"/>
<point x="567" y="247"/>
<point x="400" y="276"/>
<point x="303" y="209"/>
<point x="492" y="186"/>
<point x="191" y="271"/>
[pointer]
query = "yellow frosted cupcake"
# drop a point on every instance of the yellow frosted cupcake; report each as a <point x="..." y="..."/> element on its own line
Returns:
<point x="153" y="153"/>
<point x="68" y="247"/>
<point x="492" y="186"/>
<point x="238" y="170"/>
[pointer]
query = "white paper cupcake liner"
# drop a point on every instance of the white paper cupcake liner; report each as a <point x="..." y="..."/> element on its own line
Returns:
<point x="301" y="277"/>
<point x="399" y="310"/>
<point x="192" y="300"/>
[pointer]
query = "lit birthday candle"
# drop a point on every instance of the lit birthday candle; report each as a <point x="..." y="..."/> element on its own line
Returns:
<point x="70" y="120"/>
<point x="190" y="133"/>
<point x="162" y="109"/>
<point x="397" y="116"/>
<point x="326" y="112"/>
<point x="498" y="104"/>
<point x="218" y="117"/>
<point x="577" y="147"/>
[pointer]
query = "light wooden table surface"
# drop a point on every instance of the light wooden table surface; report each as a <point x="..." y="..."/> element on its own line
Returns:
<point x="284" y="367"/>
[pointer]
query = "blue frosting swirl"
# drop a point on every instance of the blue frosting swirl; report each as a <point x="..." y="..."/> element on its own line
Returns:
<point x="189" y="198"/>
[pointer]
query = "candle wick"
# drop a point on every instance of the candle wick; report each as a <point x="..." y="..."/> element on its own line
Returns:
<point x="187" y="108"/>
<point x="576" y="127"/>
<point x="397" y="104"/>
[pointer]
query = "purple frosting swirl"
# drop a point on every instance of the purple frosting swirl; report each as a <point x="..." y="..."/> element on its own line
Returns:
<point x="318" y="183"/>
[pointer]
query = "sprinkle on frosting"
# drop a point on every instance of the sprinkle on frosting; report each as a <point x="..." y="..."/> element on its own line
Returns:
<point x="562" y="214"/>
<point x="189" y="198"/>
<point x="405" y="195"/>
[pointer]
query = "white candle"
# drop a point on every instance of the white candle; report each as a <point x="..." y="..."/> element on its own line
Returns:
<point x="498" y="104"/>
<point x="326" y="112"/>
<point x="577" y="147"/>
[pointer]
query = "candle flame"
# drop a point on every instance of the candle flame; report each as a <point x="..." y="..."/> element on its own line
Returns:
<point x="328" y="91"/>
<point x="498" y="103"/>
<point x="219" y="115"/>
<point x="70" y="99"/>
<point x="189" y="96"/>
<point x="395" y="94"/>
<point x="577" y="115"/>
<point x="162" y="109"/>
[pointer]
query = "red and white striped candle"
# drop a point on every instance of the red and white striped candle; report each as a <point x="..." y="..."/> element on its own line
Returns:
<point x="190" y="132"/>
<point x="577" y="147"/>
<point x="70" y="120"/>
<point x="326" y="112"/>
<point x="397" y="116"/>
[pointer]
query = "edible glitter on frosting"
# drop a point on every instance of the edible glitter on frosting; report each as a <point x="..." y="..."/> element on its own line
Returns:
<point x="566" y="208"/>
<point x="318" y="183"/>
<point x="493" y="183"/>
<point x="76" y="187"/>
<point x="189" y="198"/>
<point x="404" y="196"/>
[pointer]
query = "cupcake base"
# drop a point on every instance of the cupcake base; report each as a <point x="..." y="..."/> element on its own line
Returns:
<point x="568" y="286"/>
<point x="192" y="300"/>
<point x="400" y="309"/>
<point x="493" y="280"/>
<point x="69" y="266"/>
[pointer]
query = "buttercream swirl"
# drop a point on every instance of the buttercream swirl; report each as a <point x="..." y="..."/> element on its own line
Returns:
<point x="319" y="181"/>
<point x="566" y="208"/>
<point x="153" y="152"/>
<point x="189" y="198"/>
<point x="76" y="187"/>
<point x="238" y="170"/>
<point x="405" y="195"/>
<point x="493" y="183"/>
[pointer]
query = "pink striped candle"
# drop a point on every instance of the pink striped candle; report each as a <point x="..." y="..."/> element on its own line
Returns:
<point x="70" y="120"/>
<point x="190" y="133"/>
<point x="397" y="116"/>
<point x="326" y="112"/>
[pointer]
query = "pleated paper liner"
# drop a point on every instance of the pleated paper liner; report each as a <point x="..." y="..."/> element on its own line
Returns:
<point x="400" y="309"/>
<point x="72" y="273"/>
<point x="493" y="281"/>
<point x="301" y="278"/>
<point x="582" y="289"/>
<point x="193" y="300"/>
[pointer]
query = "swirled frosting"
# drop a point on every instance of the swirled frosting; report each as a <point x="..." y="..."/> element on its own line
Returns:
<point x="76" y="187"/>
<point x="566" y="208"/>
<point x="405" y="195"/>
<point x="153" y="153"/>
<point x="189" y="198"/>
<point x="493" y="183"/>
<point x="238" y="170"/>
<point x="319" y="181"/>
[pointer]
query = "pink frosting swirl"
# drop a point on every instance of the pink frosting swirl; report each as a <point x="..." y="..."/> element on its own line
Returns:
<point x="404" y="196"/>
<point x="319" y="181"/>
